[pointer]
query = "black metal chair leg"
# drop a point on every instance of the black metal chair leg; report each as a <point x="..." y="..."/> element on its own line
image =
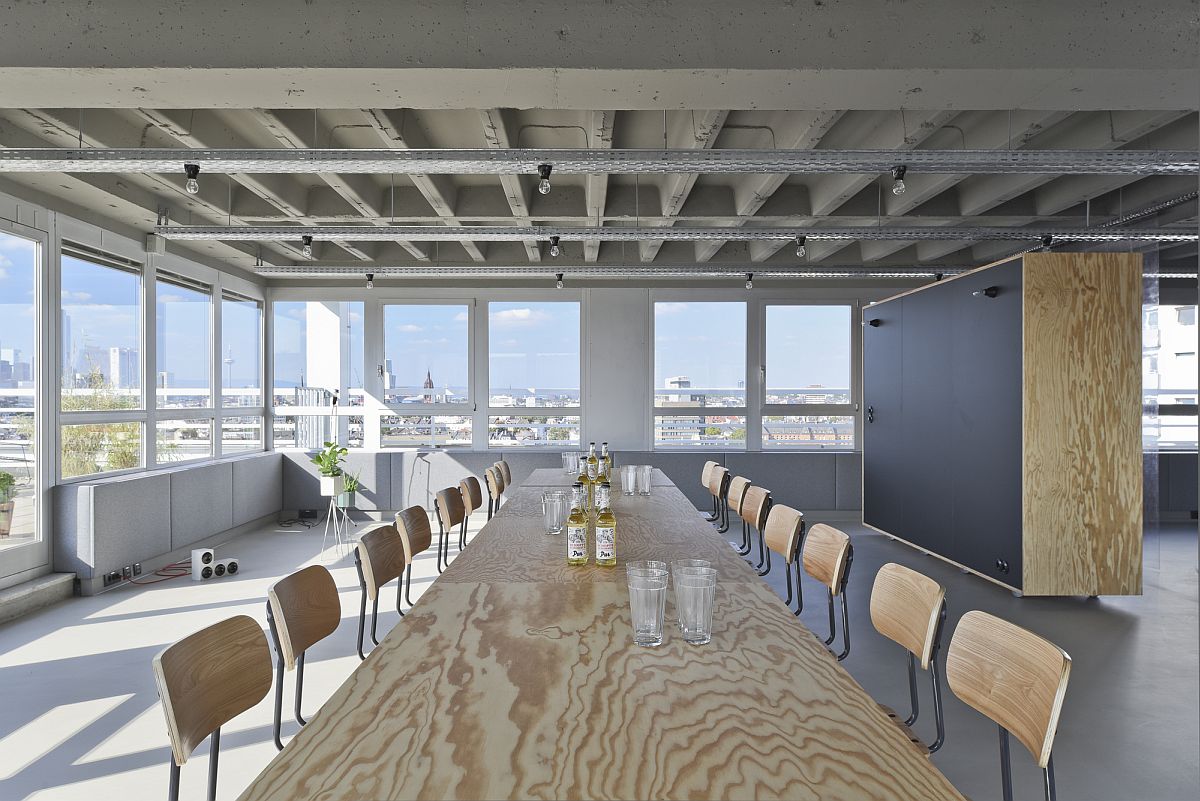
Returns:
<point x="845" y="628"/>
<point x="408" y="585"/>
<point x="399" y="594"/>
<point x="912" y="690"/>
<point x="744" y="548"/>
<point x="788" y="567"/>
<point x="300" y="688"/>
<point x="374" y="619"/>
<point x="762" y="550"/>
<point x="278" y="701"/>
<point x="768" y="567"/>
<point x="1005" y="765"/>
<point x="362" y="606"/>
<point x="462" y="535"/>
<point x="716" y="512"/>
<point x="173" y="787"/>
<point x="724" y="505"/>
<point x="832" y="627"/>
<point x="441" y="542"/>
<point x="490" y="510"/>
<point x="1048" y="775"/>
<point x="937" y="702"/>
<point x="799" y="586"/>
<point x="214" y="751"/>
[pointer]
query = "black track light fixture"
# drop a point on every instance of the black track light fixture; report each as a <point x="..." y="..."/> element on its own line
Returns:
<point x="558" y="284"/>
<point x="306" y="246"/>
<point x="555" y="250"/>
<point x="544" y="178"/>
<point x="192" y="184"/>
<point x="1047" y="242"/>
<point x="898" y="173"/>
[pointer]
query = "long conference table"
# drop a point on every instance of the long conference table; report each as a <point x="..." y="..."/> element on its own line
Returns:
<point x="515" y="676"/>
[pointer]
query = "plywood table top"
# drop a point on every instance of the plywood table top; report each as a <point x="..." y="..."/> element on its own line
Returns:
<point x="516" y="677"/>
<point x="549" y="477"/>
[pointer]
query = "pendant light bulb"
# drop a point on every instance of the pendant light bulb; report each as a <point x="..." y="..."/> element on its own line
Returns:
<point x="559" y="283"/>
<point x="749" y="280"/>
<point x="192" y="185"/>
<point x="898" y="187"/>
<point x="306" y="249"/>
<point x="801" y="251"/>
<point x="370" y="280"/>
<point x="544" y="178"/>
<point x="555" y="250"/>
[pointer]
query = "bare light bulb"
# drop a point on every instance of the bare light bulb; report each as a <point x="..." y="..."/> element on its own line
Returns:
<point x="370" y="280"/>
<point x="555" y="250"/>
<point x="749" y="280"/>
<point x="544" y="176"/>
<point x="191" y="185"/>
<point x="898" y="187"/>
<point x="544" y="186"/>
<point x="801" y="251"/>
<point x="306" y="250"/>
<point x="559" y="283"/>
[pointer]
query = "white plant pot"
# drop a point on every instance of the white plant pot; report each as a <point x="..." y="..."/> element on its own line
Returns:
<point x="332" y="485"/>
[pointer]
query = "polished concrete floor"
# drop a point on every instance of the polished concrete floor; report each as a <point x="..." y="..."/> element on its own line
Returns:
<point x="80" y="718"/>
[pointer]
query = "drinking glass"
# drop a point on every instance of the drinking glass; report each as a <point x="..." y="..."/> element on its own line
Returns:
<point x="629" y="479"/>
<point x="570" y="461"/>
<point x="646" y="566"/>
<point x="556" y="505"/>
<point x="684" y="565"/>
<point x="695" y="592"/>
<point x="644" y="472"/>
<point x="647" y="599"/>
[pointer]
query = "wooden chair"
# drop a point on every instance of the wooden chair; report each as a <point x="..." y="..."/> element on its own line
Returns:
<point x="472" y="497"/>
<point x="412" y="524"/>
<point x="495" y="487"/>
<point x="302" y="610"/>
<point x="505" y="472"/>
<point x="718" y="487"/>
<point x="705" y="481"/>
<point x="910" y="609"/>
<point x="205" y="680"/>
<point x="1017" y="679"/>
<point x="379" y="558"/>
<point x="734" y="497"/>
<point x="827" y="556"/>
<point x="783" y="533"/>
<point x="451" y="514"/>
<point x="756" y="505"/>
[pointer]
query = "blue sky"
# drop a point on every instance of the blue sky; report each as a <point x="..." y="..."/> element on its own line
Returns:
<point x="533" y="345"/>
<point x="419" y="337"/>
<point x="16" y="293"/>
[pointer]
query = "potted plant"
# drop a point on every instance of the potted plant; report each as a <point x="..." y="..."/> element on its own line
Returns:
<point x="350" y="485"/>
<point x="7" y="490"/>
<point x="328" y="461"/>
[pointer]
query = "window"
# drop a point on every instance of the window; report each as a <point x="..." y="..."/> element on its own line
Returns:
<point x="426" y="354"/>
<point x="183" y="440"/>
<point x="433" y="431"/>
<point x="807" y="377"/>
<point x="241" y="351"/>
<point x="700" y="374"/>
<point x="183" y="317"/>
<point x="91" y="448"/>
<point x="100" y="334"/>
<point x="1169" y="377"/>
<point x="533" y="367"/>
<point x="1185" y="315"/>
<point x="241" y="435"/>
<point x="19" y="262"/>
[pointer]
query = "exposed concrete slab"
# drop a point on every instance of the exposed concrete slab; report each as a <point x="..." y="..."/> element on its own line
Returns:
<point x="18" y="601"/>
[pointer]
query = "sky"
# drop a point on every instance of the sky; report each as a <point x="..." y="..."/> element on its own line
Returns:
<point x="533" y="345"/>
<point x="16" y="293"/>
<point x="417" y="338"/>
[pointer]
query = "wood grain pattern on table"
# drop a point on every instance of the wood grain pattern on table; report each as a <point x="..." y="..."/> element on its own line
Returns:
<point x="536" y="691"/>
<point x="557" y="477"/>
<point x="515" y="676"/>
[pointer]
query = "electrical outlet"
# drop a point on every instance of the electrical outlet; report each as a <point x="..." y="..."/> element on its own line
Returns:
<point x="111" y="577"/>
<point x="137" y="568"/>
<point x="127" y="572"/>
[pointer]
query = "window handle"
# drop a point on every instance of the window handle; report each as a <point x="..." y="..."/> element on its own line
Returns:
<point x="379" y="369"/>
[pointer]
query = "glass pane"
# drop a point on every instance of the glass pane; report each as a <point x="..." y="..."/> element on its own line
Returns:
<point x="318" y="349"/>
<point x="726" y="433"/>
<point x="406" y="431"/>
<point x="99" y="447"/>
<point x="700" y="354"/>
<point x="809" y="432"/>
<point x="1169" y="392"/>
<point x="101" y="337"/>
<point x="241" y="434"/>
<point x="425" y="354"/>
<point x="241" y="353"/>
<point x="183" y="440"/>
<point x="808" y="354"/>
<point x="533" y="354"/>
<point x="183" y="320"/>
<point x="18" y="385"/>
<point x="305" y="431"/>
<point x="505" y="431"/>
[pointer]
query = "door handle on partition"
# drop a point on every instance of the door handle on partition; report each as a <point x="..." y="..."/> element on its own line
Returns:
<point x="870" y="414"/>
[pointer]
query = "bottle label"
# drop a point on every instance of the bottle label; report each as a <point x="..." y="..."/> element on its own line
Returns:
<point x="602" y="497"/>
<point x="577" y="542"/>
<point x="606" y="543"/>
<point x="592" y="470"/>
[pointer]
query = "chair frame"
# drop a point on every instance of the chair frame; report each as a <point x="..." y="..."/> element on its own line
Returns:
<point x="409" y="567"/>
<point x="279" y="668"/>
<point x="468" y="508"/>
<point x="749" y="535"/>
<point x="362" y="607"/>
<point x="493" y="473"/>
<point x="841" y="582"/>
<point x="721" y="499"/>
<point x="935" y="679"/>
<point x="444" y="534"/>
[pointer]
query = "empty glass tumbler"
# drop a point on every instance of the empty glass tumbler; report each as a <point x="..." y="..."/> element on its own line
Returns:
<point x="644" y="473"/>
<point x="647" y="600"/>
<point x="695" y="593"/>
<point x="556" y="505"/>
<point x="570" y="461"/>
<point x="646" y="566"/>
<point x="629" y="479"/>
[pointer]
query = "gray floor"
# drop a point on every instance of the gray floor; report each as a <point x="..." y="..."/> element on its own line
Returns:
<point x="80" y="717"/>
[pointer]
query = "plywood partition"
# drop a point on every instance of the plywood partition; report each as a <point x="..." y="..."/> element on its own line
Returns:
<point x="1081" y="428"/>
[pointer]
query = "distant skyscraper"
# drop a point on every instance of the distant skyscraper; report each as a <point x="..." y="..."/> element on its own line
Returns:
<point x="122" y="368"/>
<point x="389" y="378"/>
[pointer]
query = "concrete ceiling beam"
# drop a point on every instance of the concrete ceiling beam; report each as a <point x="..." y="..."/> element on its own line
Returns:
<point x="599" y="127"/>
<point x="496" y="134"/>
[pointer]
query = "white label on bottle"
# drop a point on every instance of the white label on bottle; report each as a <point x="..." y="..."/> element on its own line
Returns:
<point x="606" y="543"/>
<point x="577" y="542"/>
<point x="592" y="468"/>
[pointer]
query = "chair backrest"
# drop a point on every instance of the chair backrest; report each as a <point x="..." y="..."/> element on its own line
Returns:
<point x="1012" y="676"/>
<point x="706" y="473"/>
<point x="495" y="482"/>
<point x="737" y="491"/>
<point x="825" y="554"/>
<point x="505" y="472"/>
<point x="472" y="494"/>
<point x="905" y="608"/>
<point x="381" y="551"/>
<point x="412" y="524"/>
<point x="716" y="481"/>
<point x="450" y="509"/>
<point x="210" y="677"/>
<point x="755" y="504"/>
<point x="501" y="481"/>
<point x="782" y="530"/>
<point x="306" y="609"/>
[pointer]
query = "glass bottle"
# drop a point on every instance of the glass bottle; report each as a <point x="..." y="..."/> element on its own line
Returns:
<point x="577" y="526"/>
<point x="605" y="463"/>
<point x="593" y="475"/>
<point x="606" y="527"/>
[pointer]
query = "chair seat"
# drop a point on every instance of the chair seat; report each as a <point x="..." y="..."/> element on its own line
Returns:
<point x="916" y="741"/>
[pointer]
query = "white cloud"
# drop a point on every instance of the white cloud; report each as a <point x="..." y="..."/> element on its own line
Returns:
<point x="461" y="317"/>
<point x="409" y="328"/>
<point x="669" y="308"/>
<point x="16" y="243"/>
<point x="3" y="272"/>
<point x="519" y="318"/>
<point x="77" y="297"/>
<point x="172" y="298"/>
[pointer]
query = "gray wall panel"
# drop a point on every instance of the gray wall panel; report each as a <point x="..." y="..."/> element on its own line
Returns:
<point x="201" y="502"/>
<point x="683" y="468"/>
<point x="848" y="481"/>
<point x="801" y="480"/>
<point x="73" y="549"/>
<point x="131" y="519"/>
<point x="257" y="487"/>
<point x="417" y="476"/>
<point x="522" y="463"/>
